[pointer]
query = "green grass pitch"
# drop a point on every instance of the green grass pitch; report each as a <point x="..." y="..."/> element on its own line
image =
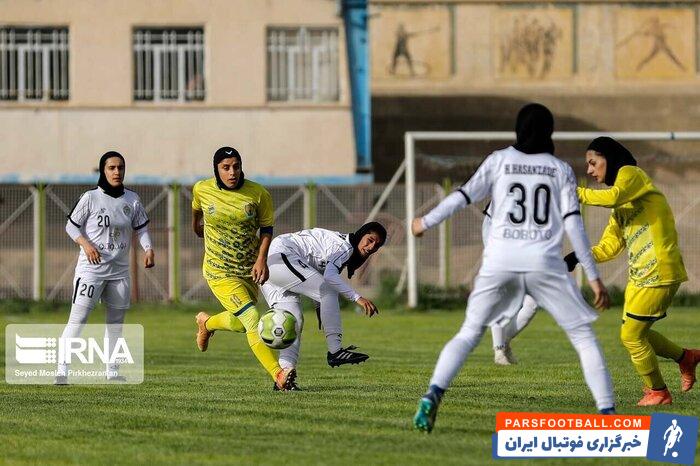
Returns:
<point x="219" y="408"/>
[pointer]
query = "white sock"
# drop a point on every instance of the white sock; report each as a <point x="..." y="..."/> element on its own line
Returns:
<point x="76" y="321"/>
<point x="593" y="365"/>
<point x="525" y="315"/>
<point x="113" y="331"/>
<point x="289" y="357"/>
<point x="454" y="354"/>
<point x="498" y="335"/>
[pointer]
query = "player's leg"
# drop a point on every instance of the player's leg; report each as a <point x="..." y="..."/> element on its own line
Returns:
<point x="277" y="298"/>
<point x="116" y="297"/>
<point x="502" y="355"/>
<point x="208" y="324"/>
<point x="523" y="318"/>
<point x="563" y="300"/>
<point x="238" y="297"/>
<point x="86" y="294"/>
<point x="494" y="295"/>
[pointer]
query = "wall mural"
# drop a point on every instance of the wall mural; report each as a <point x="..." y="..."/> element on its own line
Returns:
<point x="534" y="43"/>
<point x="410" y="43"/>
<point x="654" y="42"/>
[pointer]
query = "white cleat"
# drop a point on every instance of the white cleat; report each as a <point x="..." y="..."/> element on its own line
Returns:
<point x="504" y="356"/>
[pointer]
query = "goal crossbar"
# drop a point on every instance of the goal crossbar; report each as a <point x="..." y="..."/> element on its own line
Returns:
<point x="411" y="137"/>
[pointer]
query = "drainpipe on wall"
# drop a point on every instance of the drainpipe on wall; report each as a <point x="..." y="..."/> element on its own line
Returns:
<point x="355" y="17"/>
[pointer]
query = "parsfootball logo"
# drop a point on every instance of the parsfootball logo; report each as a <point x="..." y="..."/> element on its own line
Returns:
<point x="38" y="350"/>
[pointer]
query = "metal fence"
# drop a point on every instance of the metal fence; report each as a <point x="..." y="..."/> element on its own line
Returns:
<point x="37" y="258"/>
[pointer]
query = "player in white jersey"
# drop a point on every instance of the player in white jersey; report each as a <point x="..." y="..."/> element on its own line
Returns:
<point x="309" y="263"/>
<point x="102" y="223"/>
<point x="505" y="329"/>
<point x="534" y="203"/>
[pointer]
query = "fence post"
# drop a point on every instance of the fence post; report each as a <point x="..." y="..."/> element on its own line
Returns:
<point x="445" y="234"/>
<point x="174" y="242"/>
<point x="310" y="197"/>
<point x="39" y="267"/>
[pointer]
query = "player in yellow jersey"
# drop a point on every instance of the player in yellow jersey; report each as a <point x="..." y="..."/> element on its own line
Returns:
<point x="227" y="211"/>
<point x="641" y="221"/>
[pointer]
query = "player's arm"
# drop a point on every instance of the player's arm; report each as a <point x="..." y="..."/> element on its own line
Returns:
<point x="474" y="190"/>
<point x="140" y="225"/>
<point x="266" y="217"/>
<point x="76" y="219"/>
<point x="611" y="242"/>
<point x="575" y="231"/>
<point x="629" y="185"/>
<point x="197" y="224"/>
<point x="332" y="276"/>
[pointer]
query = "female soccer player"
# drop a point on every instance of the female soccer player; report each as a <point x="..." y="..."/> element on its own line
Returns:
<point x="102" y="223"/>
<point x="642" y="221"/>
<point x="227" y="211"/>
<point x="309" y="263"/>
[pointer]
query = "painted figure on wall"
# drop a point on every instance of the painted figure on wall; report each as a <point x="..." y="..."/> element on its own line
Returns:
<point x="401" y="49"/>
<point x="656" y="30"/>
<point x="531" y="45"/>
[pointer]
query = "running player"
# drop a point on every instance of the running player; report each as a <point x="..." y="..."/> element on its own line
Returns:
<point x="534" y="203"/>
<point x="309" y="263"/>
<point x="227" y="211"/>
<point x="641" y="220"/>
<point x="102" y="223"/>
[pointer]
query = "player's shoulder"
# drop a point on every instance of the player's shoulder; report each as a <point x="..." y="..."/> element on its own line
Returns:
<point x="205" y="184"/>
<point x="131" y="197"/>
<point x="90" y="194"/>
<point x="254" y="187"/>
<point x="632" y="171"/>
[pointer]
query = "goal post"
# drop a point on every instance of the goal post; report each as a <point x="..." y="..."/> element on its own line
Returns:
<point x="412" y="137"/>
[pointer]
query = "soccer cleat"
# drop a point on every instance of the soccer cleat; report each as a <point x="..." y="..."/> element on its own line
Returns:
<point x="691" y="358"/>
<point x="346" y="356"/>
<point x="284" y="380"/>
<point x="608" y="411"/>
<point x="292" y="388"/>
<point x="203" y="335"/>
<point x="61" y="380"/>
<point x="424" y="420"/>
<point x="655" y="397"/>
<point x="504" y="356"/>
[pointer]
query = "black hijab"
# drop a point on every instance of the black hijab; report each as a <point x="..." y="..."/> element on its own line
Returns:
<point x="533" y="129"/>
<point x="226" y="153"/>
<point x="616" y="156"/>
<point x="356" y="260"/>
<point x="114" y="191"/>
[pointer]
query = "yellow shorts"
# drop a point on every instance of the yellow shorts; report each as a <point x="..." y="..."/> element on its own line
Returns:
<point x="648" y="304"/>
<point x="235" y="294"/>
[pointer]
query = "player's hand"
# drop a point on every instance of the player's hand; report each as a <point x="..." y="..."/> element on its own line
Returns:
<point x="91" y="252"/>
<point x="150" y="259"/>
<point x="260" y="272"/>
<point x="368" y="306"/>
<point x="601" y="299"/>
<point x="417" y="227"/>
<point x="571" y="261"/>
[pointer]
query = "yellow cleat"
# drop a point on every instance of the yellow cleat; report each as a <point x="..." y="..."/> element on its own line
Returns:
<point x="203" y="335"/>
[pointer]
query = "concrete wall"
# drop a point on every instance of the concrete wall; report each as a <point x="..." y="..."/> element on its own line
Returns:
<point x="175" y="139"/>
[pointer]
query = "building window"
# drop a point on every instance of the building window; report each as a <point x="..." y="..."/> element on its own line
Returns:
<point x="169" y="64"/>
<point x="33" y="64"/>
<point x="302" y="64"/>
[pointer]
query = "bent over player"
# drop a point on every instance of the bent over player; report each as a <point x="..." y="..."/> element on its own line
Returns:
<point x="309" y="263"/>
<point x="641" y="221"/>
<point x="534" y="203"/>
<point x="102" y="223"/>
<point x="227" y="211"/>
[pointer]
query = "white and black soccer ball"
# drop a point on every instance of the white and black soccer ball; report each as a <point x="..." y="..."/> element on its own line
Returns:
<point x="278" y="328"/>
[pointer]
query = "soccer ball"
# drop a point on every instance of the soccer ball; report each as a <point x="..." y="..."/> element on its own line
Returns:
<point x="278" y="328"/>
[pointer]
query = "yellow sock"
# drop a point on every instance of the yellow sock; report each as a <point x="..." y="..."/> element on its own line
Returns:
<point x="225" y="321"/>
<point x="664" y="347"/>
<point x="263" y="352"/>
<point x="266" y="357"/>
<point x="634" y="337"/>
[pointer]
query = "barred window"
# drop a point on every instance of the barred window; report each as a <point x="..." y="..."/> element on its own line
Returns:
<point x="302" y="64"/>
<point x="169" y="64"/>
<point x="34" y="63"/>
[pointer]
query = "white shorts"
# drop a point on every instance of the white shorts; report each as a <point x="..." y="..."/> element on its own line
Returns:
<point x="88" y="290"/>
<point x="291" y="276"/>
<point x="497" y="297"/>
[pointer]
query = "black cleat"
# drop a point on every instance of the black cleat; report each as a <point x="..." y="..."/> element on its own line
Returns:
<point x="292" y="388"/>
<point x="346" y="356"/>
<point x="61" y="380"/>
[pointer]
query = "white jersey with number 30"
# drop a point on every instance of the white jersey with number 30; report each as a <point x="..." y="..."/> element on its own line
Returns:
<point x="108" y="223"/>
<point x="532" y="195"/>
